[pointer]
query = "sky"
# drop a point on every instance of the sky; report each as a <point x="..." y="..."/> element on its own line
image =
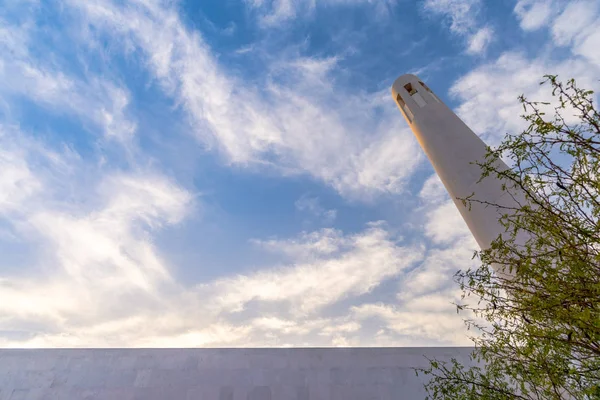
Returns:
<point x="235" y="173"/>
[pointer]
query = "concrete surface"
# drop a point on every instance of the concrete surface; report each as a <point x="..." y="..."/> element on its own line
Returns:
<point x="218" y="374"/>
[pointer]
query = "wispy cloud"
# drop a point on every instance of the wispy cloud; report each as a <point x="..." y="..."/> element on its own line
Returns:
<point x="308" y="245"/>
<point x="345" y="266"/>
<point x="98" y="254"/>
<point x="297" y="122"/>
<point x="94" y="253"/>
<point x="533" y="14"/>
<point x="17" y="181"/>
<point x="274" y="13"/>
<point x="488" y="93"/>
<point x="424" y="313"/>
<point x="573" y="24"/>
<point x="96" y="99"/>
<point x="577" y="26"/>
<point x="480" y="40"/>
<point x="90" y="265"/>
<point x="463" y="16"/>
<point x="427" y="294"/>
<point x="313" y="207"/>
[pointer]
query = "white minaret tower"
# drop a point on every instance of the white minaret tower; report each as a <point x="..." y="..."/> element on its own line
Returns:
<point x="452" y="147"/>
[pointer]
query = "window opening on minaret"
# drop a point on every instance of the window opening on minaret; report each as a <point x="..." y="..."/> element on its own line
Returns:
<point x="409" y="115"/>
<point x="430" y="92"/>
<point x="409" y="88"/>
<point x="415" y="95"/>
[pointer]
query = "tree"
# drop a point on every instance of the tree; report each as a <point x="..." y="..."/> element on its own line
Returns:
<point x="538" y="327"/>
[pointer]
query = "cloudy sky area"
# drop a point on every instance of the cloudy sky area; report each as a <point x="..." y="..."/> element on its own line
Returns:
<point x="235" y="172"/>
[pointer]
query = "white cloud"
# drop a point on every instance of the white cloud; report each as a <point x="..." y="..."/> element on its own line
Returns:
<point x="90" y="231"/>
<point x="573" y="23"/>
<point x="17" y="181"/>
<point x="101" y="250"/>
<point x="273" y="13"/>
<point x="277" y="11"/>
<point x="425" y="313"/>
<point x="480" y="40"/>
<point x="534" y="14"/>
<point x="488" y="94"/>
<point x="413" y="328"/>
<point x="312" y="206"/>
<point x="464" y="21"/>
<point x="445" y="224"/>
<point x="151" y="198"/>
<point x="107" y="248"/>
<point x="588" y="47"/>
<point x="462" y="13"/>
<point x="297" y="122"/>
<point x="274" y="306"/>
<point x="576" y="19"/>
<point x="577" y="26"/>
<point x="307" y="245"/>
<point x="365" y="260"/>
<point x="97" y="254"/>
<point x="434" y="277"/>
<point x="433" y="190"/>
<point x="94" y="99"/>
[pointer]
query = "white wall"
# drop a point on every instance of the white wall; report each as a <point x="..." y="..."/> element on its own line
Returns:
<point x="218" y="374"/>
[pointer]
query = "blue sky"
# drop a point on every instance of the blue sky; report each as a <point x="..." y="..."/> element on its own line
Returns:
<point x="235" y="172"/>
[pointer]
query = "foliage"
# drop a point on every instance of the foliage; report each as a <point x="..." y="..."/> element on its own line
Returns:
<point x="538" y="319"/>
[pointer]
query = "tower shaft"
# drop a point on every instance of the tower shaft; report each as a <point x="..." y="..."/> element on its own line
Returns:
<point x="453" y="149"/>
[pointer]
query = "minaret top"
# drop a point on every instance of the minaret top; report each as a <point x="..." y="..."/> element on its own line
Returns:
<point x="412" y="95"/>
<point x="403" y="80"/>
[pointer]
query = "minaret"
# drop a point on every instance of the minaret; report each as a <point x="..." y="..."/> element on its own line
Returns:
<point x="452" y="147"/>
